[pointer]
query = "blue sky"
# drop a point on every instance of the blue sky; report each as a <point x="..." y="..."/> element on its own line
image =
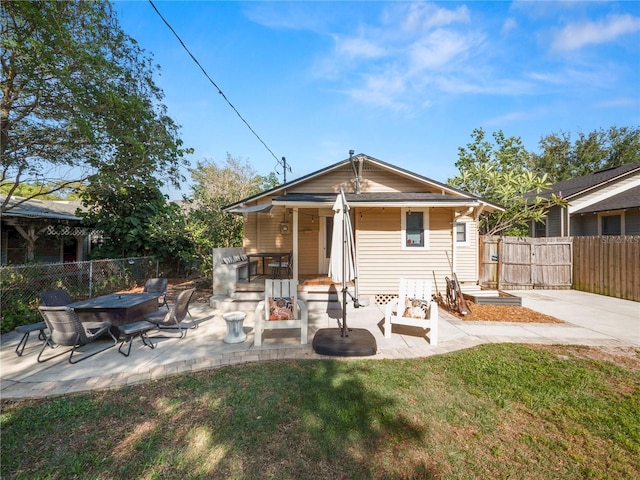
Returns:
<point x="405" y="82"/>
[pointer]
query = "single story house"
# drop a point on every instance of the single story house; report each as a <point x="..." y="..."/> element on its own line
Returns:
<point x="405" y="224"/>
<point x="604" y="203"/>
<point x="45" y="231"/>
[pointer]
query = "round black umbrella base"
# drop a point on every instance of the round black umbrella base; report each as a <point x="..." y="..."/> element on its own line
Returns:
<point x="359" y="343"/>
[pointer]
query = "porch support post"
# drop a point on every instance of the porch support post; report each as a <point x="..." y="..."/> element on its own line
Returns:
<point x="295" y="243"/>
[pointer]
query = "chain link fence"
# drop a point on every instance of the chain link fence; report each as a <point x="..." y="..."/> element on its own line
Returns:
<point x="20" y="286"/>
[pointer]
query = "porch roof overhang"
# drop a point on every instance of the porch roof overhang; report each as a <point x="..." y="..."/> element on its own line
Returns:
<point x="262" y="207"/>
<point x="370" y="200"/>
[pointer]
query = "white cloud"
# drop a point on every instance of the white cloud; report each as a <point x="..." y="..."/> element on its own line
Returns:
<point x="577" y="35"/>
<point x="438" y="49"/>
<point x="619" y="102"/>
<point x="509" y="25"/>
<point x="358" y="48"/>
<point x="425" y="16"/>
<point x="381" y="91"/>
<point x="395" y="62"/>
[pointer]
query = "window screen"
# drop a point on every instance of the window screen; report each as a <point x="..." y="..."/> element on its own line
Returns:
<point x="611" y="225"/>
<point x="415" y="229"/>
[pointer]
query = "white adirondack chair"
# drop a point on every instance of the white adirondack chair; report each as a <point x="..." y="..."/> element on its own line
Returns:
<point x="281" y="309"/>
<point x="413" y="307"/>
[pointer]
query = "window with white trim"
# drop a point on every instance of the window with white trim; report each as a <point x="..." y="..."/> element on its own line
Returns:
<point x="462" y="233"/>
<point x="415" y="228"/>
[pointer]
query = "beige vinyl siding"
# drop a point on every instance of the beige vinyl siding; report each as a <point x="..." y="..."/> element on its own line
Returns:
<point x="381" y="259"/>
<point x="372" y="181"/>
<point x="383" y="181"/>
<point x="250" y="232"/>
<point x="264" y="232"/>
<point x="266" y="228"/>
<point x="308" y="227"/>
<point x="466" y="267"/>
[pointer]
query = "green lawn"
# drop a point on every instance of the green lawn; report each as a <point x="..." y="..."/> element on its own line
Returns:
<point x="495" y="411"/>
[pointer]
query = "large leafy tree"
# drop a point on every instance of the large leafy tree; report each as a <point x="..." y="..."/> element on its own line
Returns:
<point x="135" y="218"/>
<point x="561" y="158"/>
<point x="79" y="101"/>
<point x="499" y="171"/>
<point x="215" y="186"/>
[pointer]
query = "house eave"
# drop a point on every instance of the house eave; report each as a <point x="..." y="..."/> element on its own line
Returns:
<point x="399" y="204"/>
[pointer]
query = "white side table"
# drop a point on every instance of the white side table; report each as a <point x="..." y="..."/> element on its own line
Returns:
<point x="235" y="332"/>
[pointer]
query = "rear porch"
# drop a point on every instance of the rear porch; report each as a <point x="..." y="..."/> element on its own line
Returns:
<point x="317" y="291"/>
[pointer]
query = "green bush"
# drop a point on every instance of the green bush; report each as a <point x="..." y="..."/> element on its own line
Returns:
<point x="18" y="313"/>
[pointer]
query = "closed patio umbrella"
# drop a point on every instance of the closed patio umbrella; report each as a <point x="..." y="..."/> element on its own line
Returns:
<point x="343" y="269"/>
<point x="342" y="262"/>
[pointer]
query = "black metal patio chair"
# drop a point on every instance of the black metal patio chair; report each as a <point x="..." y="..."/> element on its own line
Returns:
<point x="157" y="285"/>
<point x="66" y="329"/>
<point x="176" y="314"/>
<point x="55" y="298"/>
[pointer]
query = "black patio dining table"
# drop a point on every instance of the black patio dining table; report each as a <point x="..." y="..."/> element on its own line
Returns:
<point x="116" y="308"/>
<point x="276" y="256"/>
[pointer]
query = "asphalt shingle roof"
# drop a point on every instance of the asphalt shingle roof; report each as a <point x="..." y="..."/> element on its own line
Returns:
<point x="575" y="186"/>
<point x="626" y="199"/>
<point x="50" y="209"/>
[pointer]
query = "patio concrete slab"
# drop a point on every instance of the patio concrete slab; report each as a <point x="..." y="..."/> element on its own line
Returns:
<point x="609" y="316"/>
<point x="589" y="320"/>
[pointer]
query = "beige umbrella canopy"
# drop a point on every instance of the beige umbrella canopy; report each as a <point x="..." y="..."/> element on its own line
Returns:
<point x="341" y="262"/>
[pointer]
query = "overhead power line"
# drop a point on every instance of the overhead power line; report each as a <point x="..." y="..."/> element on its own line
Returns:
<point x="218" y="88"/>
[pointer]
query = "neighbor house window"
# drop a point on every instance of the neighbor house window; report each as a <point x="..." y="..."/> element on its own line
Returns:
<point x="415" y="228"/>
<point x="540" y="229"/>
<point x="462" y="233"/>
<point x="611" y="225"/>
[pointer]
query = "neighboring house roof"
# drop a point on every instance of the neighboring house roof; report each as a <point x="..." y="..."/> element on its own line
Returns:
<point x="43" y="209"/>
<point x="581" y="185"/>
<point x="626" y="199"/>
<point x="448" y="193"/>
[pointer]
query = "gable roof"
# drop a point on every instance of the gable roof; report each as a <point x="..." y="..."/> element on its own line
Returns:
<point x="448" y="193"/>
<point x="580" y="185"/>
<point x="628" y="198"/>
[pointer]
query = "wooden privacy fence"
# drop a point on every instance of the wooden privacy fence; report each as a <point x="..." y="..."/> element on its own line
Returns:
<point x="608" y="265"/>
<point x="511" y="263"/>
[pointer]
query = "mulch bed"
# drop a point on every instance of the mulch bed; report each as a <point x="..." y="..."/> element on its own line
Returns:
<point x="502" y="313"/>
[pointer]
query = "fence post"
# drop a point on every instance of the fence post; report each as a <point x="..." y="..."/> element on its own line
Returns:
<point x="499" y="267"/>
<point x="90" y="278"/>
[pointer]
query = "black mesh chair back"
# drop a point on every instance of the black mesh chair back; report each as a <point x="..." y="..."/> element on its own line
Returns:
<point x="55" y="298"/>
<point x="157" y="285"/>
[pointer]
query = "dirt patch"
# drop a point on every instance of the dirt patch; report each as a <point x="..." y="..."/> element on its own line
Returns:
<point x="503" y="313"/>
<point x="625" y="357"/>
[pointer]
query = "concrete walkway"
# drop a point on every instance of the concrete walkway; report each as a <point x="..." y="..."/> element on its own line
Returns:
<point x="591" y="320"/>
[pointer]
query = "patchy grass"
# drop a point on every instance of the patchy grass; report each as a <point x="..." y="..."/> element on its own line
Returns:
<point x="495" y="411"/>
